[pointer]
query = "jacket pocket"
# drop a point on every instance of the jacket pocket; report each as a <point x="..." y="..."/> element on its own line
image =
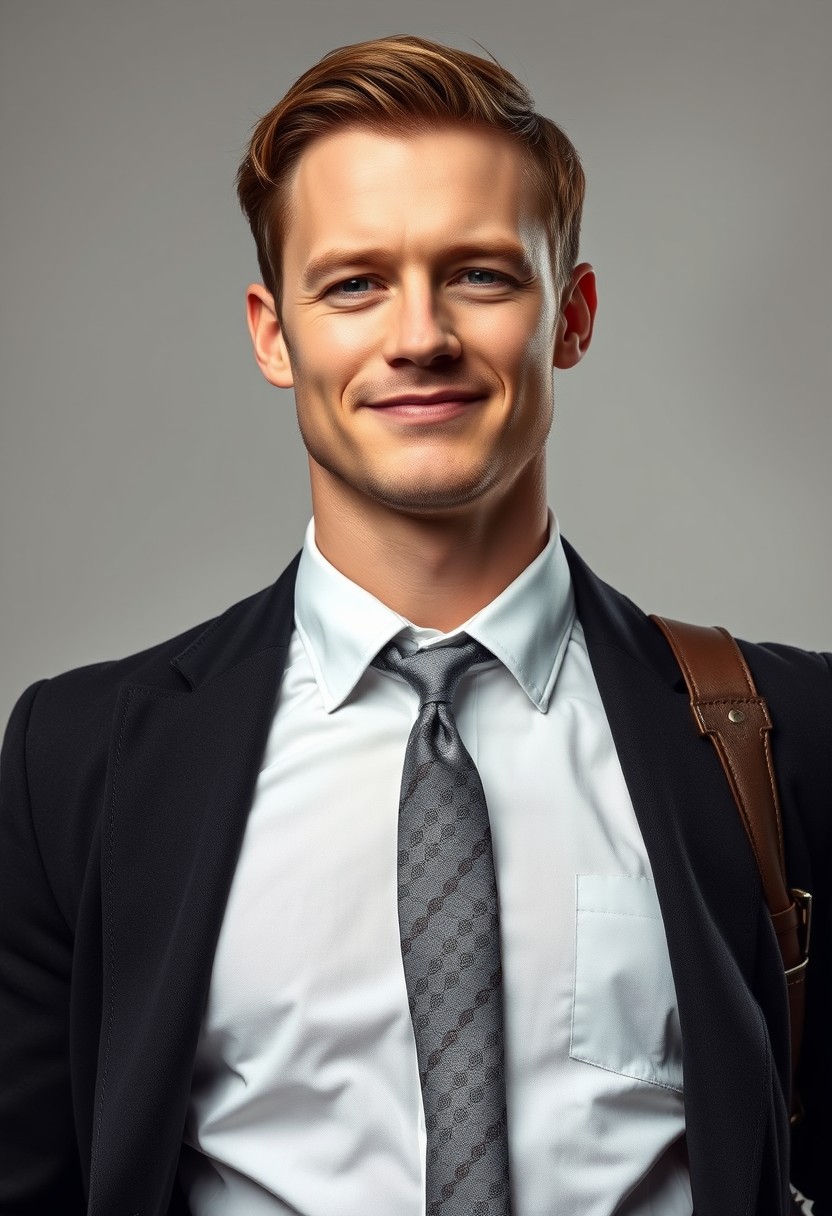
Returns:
<point x="624" y="1015"/>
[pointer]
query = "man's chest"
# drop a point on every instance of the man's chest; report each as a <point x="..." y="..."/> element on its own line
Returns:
<point x="307" y="1027"/>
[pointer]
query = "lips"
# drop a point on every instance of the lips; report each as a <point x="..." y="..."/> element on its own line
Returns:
<point x="427" y="413"/>
<point x="443" y="396"/>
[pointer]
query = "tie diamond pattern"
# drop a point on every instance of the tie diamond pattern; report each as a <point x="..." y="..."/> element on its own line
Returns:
<point x="450" y="938"/>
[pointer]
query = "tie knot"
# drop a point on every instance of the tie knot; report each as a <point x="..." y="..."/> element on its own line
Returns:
<point x="436" y="671"/>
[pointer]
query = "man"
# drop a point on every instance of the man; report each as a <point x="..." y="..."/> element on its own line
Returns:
<point x="406" y="885"/>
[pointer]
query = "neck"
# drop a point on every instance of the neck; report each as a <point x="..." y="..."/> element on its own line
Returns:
<point x="436" y="571"/>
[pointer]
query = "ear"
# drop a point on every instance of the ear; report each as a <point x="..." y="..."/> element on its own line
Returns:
<point x="267" y="337"/>
<point x="579" y="304"/>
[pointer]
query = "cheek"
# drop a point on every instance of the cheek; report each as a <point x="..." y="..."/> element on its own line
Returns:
<point x="328" y="359"/>
<point x="522" y="362"/>
<point x="338" y="355"/>
<point x="513" y="339"/>
<point x="536" y="357"/>
<point x="527" y="372"/>
<point x="347" y="338"/>
<point x="537" y="347"/>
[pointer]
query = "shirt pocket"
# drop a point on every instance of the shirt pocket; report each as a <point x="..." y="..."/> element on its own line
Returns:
<point x="624" y="1015"/>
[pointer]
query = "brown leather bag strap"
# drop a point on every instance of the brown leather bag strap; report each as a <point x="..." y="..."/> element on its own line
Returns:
<point x="728" y="709"/>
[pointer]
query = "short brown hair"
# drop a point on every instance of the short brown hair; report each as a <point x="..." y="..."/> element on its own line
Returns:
<point x="405" y="83"/>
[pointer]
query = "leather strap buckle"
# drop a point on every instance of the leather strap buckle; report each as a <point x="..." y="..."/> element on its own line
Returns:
<point x="803" y="903"/>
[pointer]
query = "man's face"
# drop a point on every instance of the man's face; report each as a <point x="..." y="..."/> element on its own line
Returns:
<point x="415" y="265"/>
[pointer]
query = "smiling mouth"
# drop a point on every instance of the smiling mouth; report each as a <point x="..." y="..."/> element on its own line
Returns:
<point x="428" y="411"/>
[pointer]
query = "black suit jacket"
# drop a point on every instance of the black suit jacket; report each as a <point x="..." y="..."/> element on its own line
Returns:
<point x="125" y="790"/>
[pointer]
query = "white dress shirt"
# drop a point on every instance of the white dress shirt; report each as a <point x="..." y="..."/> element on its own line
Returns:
<point x="305" y="1096"/>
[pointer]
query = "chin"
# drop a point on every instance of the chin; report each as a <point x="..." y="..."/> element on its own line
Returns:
<point x="413" y="493"/>
<point x="420" y="498"/>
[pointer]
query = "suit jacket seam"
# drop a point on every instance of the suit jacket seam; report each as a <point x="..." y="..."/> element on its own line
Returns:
<point x="206" y="634"/>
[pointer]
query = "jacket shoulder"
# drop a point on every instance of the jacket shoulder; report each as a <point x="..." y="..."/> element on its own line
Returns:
<point x="797" y="684"/>
<point x="152" y="665"/>
<point x="59" y="733"/>
<point x="79" y="695"/>
<point x="783" y="664"/>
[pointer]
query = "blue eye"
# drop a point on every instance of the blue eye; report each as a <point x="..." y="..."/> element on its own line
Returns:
<point x="494" y="276"/>
<point x="347" y="286"/>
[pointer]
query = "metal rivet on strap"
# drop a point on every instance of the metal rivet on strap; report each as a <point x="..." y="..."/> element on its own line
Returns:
<point x="736" y="715"/>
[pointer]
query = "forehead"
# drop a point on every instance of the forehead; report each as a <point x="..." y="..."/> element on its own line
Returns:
<point x="358" y="186"/>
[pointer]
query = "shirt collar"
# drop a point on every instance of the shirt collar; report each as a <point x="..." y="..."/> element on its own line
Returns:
<point x="343" y="627"/>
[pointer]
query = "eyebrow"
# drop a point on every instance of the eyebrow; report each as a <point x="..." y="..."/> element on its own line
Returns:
<point x="336" y="259"/>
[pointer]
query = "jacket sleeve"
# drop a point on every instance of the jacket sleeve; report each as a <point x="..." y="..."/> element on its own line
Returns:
<point x="39" y="1166"/>
<point x="812" y="1138"/>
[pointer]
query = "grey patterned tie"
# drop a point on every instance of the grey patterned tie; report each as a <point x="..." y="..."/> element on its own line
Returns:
<point x="450" y="936"/>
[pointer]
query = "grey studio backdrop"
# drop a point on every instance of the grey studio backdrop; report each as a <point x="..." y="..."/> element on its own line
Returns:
<point x="150" y="477"/>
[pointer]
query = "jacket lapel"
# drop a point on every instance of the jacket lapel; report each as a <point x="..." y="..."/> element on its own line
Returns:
<point x="183" y="768"/>
<point x="710" y="895"/>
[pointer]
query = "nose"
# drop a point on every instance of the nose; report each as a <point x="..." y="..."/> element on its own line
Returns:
<point x="420" y="328"/>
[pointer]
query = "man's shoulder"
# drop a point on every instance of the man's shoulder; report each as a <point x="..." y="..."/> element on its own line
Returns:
<point x="614" y="619"/>
<point x="797" y="687"/>
<point x="790" y="673"/>
<point x="79" y="702"/>
<point x="152" y="665"/>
